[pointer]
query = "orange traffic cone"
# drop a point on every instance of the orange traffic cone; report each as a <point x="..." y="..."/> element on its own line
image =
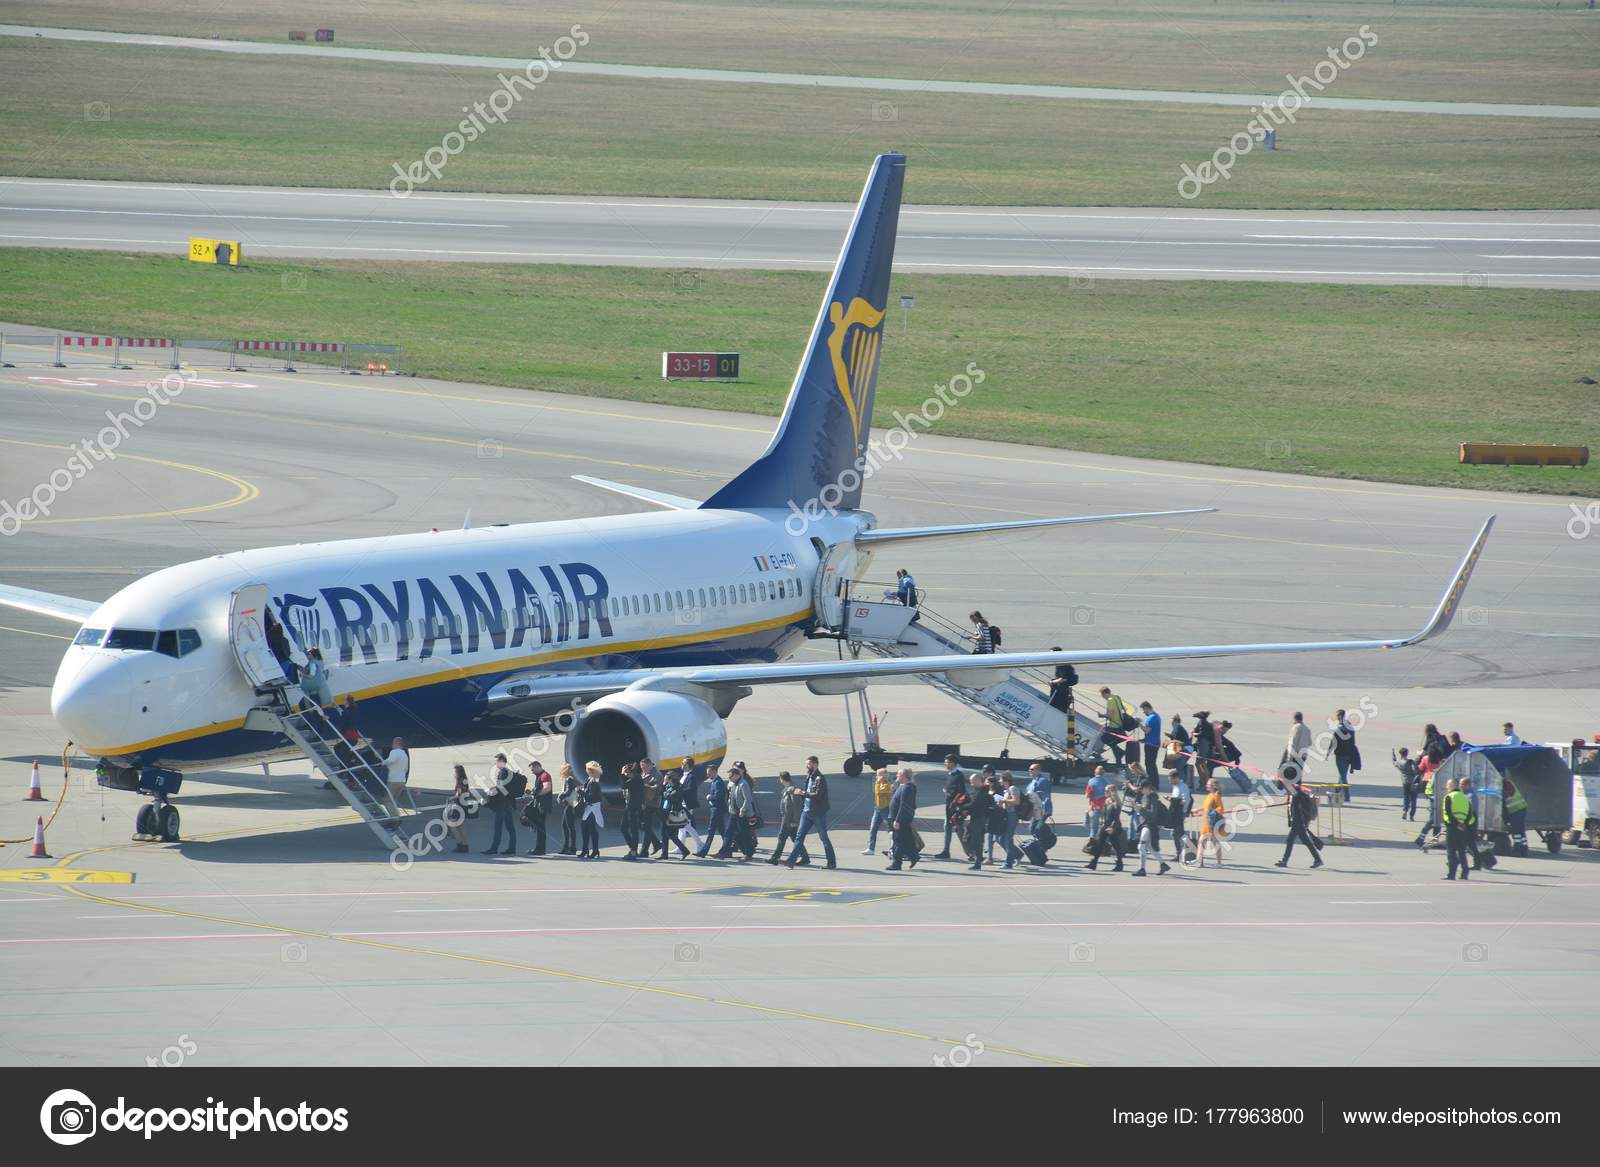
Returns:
<point x="38" y="840"/>
<point x="34" y="793"/>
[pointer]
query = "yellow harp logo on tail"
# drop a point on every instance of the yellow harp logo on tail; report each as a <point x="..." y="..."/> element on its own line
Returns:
<point x="853" y="344"/>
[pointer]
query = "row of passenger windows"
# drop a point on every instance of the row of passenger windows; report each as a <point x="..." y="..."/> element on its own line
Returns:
<point x="175" y="642"/>
<point x="650" y="603"/>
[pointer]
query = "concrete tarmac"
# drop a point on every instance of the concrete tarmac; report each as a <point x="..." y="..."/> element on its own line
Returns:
<point x="279" y="932"/>
<point x="1557" y="249"/>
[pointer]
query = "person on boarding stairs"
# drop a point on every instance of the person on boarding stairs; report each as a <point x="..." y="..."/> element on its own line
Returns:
<point x="982" y="634"/>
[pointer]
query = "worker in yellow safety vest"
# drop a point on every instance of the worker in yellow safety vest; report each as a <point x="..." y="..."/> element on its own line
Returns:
<point x="1459" y="819"/>
<point x="1516" y="812"/>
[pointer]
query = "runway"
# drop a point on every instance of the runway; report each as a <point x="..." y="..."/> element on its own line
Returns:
<point x="279" y="933"/>
<point x="821" y="80"/>
<point x="1554" y="249"/>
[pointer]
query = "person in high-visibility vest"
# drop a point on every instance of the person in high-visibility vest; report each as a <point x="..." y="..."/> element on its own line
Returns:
<point x="1516" y="812"/>
<point x="1459" y="819"/>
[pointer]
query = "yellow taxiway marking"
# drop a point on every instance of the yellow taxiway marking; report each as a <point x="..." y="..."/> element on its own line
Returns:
<point x="62" y="875"/>
<point x="519" y="966"/>
<point x="246" y="490"/>
<point x="31" y="632"/>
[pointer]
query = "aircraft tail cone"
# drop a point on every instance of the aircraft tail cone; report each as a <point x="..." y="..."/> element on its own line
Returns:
<point x="34" y="793"/>
<point x="38" y="840"/>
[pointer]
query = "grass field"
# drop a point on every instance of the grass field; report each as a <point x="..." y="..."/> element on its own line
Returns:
<point x="131" y="113"/>
<point x="1479" y="50"/>
<point x="1365" y="382"/>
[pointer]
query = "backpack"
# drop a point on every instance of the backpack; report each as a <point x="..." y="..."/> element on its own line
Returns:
<point x="994" y="635"/>
<point x="517" y="785"/>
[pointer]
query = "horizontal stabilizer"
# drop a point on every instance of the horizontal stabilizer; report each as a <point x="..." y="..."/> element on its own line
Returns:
<point x="884" y="536"/>
<point x="67" y="608"/>
<point x="671" y="502"/>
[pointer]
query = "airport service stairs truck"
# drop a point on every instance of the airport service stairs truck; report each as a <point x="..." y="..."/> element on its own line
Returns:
<point x="355" y="771"/>
<point x="890" y="629"/>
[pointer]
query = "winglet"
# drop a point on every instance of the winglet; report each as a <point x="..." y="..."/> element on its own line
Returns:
<point x="1451" y="600"/>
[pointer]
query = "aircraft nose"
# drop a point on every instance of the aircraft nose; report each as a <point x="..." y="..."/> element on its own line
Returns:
<point x="90" y="700"/>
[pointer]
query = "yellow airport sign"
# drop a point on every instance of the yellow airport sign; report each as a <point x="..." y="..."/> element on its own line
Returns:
<point x="62" y="875"/>
<point x="214" y="251"/>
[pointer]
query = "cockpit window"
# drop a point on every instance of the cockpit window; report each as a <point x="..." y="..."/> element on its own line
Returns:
<point x="138" y="639"/>
<point x="179" y="642"/>
<point x="188" y="641"/>
<point x="89" y="637"/>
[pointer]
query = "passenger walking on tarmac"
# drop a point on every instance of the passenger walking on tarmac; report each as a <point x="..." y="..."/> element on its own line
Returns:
<point x="814" y="816"/>
<point x="984" y="635"/>
<point x="716" y="792"/>
<point x="1039" y="787"/>
<point x="1207" y="749"/>
<point x="998" y="784"/>
<point x="1459" y="821"/>
<point x="455" y="809"/>
<point x="1344" y="753"/>
<point x="882" y="793"/>
<point x="1178" y="736"/>
<point x="1178" y="814"/>
<point x="571" y="809"/>
<point x="508" y="787"/>
<point x="653" y="837"/>
<point x="742" y="815"/>
<point x="1012" y="803"/>
<point x="1094" y="792"/>
<point x="541" y="799"/>
<point x="1109" y="839"/>
<point x="693" y="775"/>
<point x="1302" y="810"/>
<point x="1410" y="783"/>
<point x="1232" y="755"/>
<point x="1434" y="744"/>
<point x="902" y="821"/>
<point x="632" y="808"/>
<point x="1213" y="823"/>
<point x="675" y="816"/>
<point x="980" y="804"/>
<point x="1150" y="723"/>
<point x="1297" y="749"/>
<point x="1117" y="725"/>
<point x="397" y="771"/>
<point x="594" y="816"/>
<point x="1427" y="769"/>
<point x="790" y="800"/>
<point x="955" y="786"/>
<point x="1150" y="827"/>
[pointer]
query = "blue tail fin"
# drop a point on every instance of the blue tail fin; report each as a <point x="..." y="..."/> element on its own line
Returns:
<point x="823" y="435"/>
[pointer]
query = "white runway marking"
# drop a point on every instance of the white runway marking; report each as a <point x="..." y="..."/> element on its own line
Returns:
<point x="435" y="911"/>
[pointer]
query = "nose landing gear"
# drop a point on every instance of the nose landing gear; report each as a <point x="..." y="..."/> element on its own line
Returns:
<point x="157" y="821"/>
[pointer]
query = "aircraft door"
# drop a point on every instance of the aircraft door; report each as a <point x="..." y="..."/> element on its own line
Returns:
<point x="247" y="633"/>
<point x="832" y="586"/>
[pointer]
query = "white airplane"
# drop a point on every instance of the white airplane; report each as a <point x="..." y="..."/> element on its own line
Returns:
<point x="653" y="624"/>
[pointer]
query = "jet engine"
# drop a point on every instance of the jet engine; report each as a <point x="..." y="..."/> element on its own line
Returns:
<point x="665" y="726"/>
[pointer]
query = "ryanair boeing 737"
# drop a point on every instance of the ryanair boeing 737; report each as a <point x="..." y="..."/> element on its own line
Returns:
<point x="652" y="625"/>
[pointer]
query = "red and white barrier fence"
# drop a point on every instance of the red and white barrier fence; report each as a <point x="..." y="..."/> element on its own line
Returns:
<point x="17" y="347"/>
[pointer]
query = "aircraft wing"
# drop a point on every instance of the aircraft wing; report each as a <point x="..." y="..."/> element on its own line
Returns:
<point x="67" y="608"/>
<point x="881" y="537"/>
<point x="660" y="498"/>
<point x="714" y="676"/>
